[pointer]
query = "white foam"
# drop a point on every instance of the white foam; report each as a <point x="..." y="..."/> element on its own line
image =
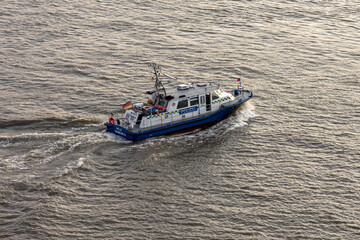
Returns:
<point x="15" y="162"/>
<point x="72" y="165"/>
<point x="115" y="138"/>
<point x="240" y="118"/>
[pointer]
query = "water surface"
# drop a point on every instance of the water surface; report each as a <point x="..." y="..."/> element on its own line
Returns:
<point x="285" y="166"/>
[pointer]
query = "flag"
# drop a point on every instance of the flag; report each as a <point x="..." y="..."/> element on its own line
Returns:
<point x="127" y="105"/>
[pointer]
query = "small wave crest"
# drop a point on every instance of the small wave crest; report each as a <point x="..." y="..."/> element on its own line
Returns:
<point x="72" y="166"/>
<point x="11" y="140"/>
<point x="46" y="121"/>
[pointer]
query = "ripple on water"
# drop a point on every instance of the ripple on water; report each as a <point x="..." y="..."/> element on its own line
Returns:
<point x="284" y="166"/>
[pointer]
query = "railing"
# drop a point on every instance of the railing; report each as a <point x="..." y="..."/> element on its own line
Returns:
<point x="194" y="115"/>
<point x="170" y="120"/>
<point x="165" y="121"/>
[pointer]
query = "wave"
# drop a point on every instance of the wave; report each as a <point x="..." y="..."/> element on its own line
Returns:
<point x="57" y="121"/>
<point x="72" y="166"/>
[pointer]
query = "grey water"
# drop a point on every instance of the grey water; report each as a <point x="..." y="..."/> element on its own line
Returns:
<point x="284" y="166"/>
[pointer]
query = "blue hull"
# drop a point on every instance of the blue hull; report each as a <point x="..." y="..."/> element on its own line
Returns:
<point x="189" y="125"/>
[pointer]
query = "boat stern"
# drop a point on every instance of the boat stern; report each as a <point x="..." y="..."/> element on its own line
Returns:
<point x="119" y="130"/>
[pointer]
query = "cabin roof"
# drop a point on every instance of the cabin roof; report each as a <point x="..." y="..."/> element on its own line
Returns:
<point x="194" y="90"/>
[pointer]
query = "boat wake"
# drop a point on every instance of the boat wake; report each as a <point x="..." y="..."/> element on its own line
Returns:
<point x="61" y="152"/>
<point x="34" y="151"/>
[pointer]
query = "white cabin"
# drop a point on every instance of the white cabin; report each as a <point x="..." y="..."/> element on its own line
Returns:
<point x="187" y="101"/>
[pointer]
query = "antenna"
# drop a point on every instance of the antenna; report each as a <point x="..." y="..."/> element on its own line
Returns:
<point x="158" y="84"/>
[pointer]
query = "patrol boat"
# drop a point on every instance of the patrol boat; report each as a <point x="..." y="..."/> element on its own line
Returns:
<point x="184" y="108"/>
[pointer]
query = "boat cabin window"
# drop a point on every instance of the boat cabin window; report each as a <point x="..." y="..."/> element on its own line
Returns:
<point x="182" y="104"/>
<point x="214" y="96"/>
<point x="202" y="99"/>
<point x="194" y="101"/>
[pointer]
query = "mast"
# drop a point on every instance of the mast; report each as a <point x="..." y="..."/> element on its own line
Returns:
<point x="158" y="84"/>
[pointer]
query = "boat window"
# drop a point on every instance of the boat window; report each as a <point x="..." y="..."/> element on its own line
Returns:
<point x="202" y="99"/>
<point x="182" y="104"/>
<point x="214" y="96"/>
<point x="194" y="101"/>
